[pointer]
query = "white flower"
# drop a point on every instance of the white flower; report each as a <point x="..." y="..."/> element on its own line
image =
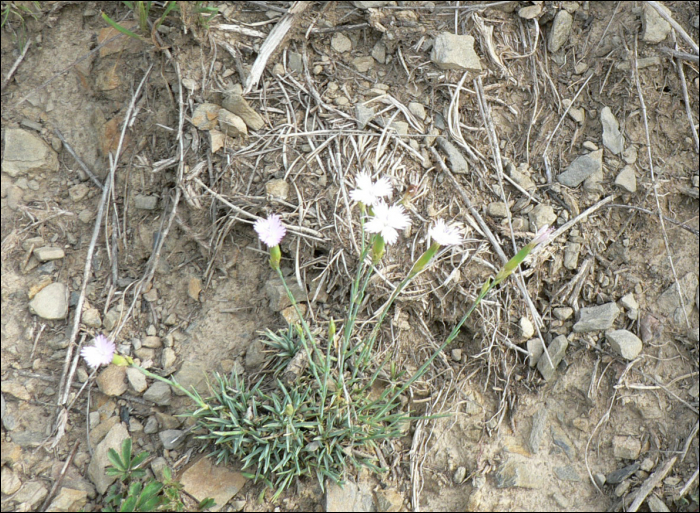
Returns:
<point x="271" y="230"/>
<point x="445" y="235"/>
<point x="99" y="354"/>
<point x="387" y="221"/>
<point x="370" y="193"/>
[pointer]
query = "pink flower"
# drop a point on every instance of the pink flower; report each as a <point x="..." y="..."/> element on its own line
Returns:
<point x="99" y="354"/>
<point x="445" y="235"/>
<point x="271" y="230"/>
<point x="542" y="235"/>
<point x="370" y="193"/>
<point x="387" y="221"/>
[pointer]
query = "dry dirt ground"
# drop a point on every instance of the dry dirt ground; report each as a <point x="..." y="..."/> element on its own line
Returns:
<point x="177" y="258"/>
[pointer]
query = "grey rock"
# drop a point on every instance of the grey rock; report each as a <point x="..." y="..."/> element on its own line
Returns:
<point x="78" y="192"/>
<point x="521" y="176"/>
<point x="562" y="501"/>
<point x="571" y="254"/>
<point x="556" y="350"/>
<point x="626" y="448"/>
<point x="630" y="304"/>
<point x="255" y="355"/>
<point x="9" y="482"/>
<point x="654" y="27"/>
<point x="151" y="341"/>
<point x="451" y="51"/>
<point x="596" y="318"/>
<point x="191" y="375"/>
<point x="497" y="209"/>
<point x="206" y="479"/>
<point x="539" y="426"/>
<point x="99" y="461"/>
<point x="599" y="479"/>
<point x="561" y="28"/>
<point x="516" y="473"/>
<point x="30" y="495"/>
<point x="295" y="62"/>
<point x="630" y="155"/>
<point x="535" y="351"/>
<point x="206" y="116"/>
<point x="26" y="152"/>
<point x="612" y="138"/>
<point x="563" y="312"/>
<point x="617" y="476"/>
<point x="363" y="114"/>
<point x="369" y="5"/>
<point x="581" y="168"/>
<point x="567" y="473"/>
<point x="578" y="115"/>
<point x="151" y="425"/>
<point x="91" y="318"/>
<point x="379" y="52"/>
<point x="624" y="343"/>
<point x="51" y="302"/>
<point x="459" y="475"/>
<point x="457" y="162"/>
<point x="656" y="505"/>
<point x="627" y="179"/>
<point x="363" y="64"/>
<point x="112" y="317"/>
<point x="275" y="291"/>
<point x="239" y="106"/>
<point x="136" y="379"/>
<point x="341" y="43"/>
<point x="277" y="189"/>
<point x="171" y="438"/>
<point x="417" y="109"/>
<point x="68" y="499"/>
<point x="561" y="440"/>
<point x="143" y="202"/>
<point x="669" y="302"/>
<point x="356" y="497"/>
<point x="158" y="393"/>
<point x="231" y="124"/>
<point x="541" y="215"/>
<point x="401" y="127"/>
<point x="49" y="253"/>
<point x="168" y="358"/>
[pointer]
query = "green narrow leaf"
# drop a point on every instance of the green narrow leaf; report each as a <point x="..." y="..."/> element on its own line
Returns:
<point x="116" y="460"/>
<point x="121" y="29"/>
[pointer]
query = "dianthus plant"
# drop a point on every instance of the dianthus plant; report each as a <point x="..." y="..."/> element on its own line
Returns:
<point x="318" y="412"/>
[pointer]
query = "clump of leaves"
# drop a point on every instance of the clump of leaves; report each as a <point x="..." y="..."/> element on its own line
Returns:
<point x="131" y="493"/>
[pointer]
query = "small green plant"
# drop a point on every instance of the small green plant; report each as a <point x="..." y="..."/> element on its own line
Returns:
<point x="130" y="493"/>
<point x="327" y="403"/>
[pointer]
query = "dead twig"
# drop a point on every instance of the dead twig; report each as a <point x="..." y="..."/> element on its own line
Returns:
<point x="14" y="67"/>
<point x="82" y="164"/>
<point x="675" y="25"/>
<point x="651" y="483"/>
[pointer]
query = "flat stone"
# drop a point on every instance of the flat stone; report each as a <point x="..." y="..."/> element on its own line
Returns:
<point x="231" y="124"/>
<point x="571" y="254"/>
<point x="151" y="341"/>
<point x="456" y="161"/>
<point x="630" y="155"/>
<point x="206" y="116"/>
<point x="239" y="106"/>
<point x="561" y="28"/>
<point x="627" y="179"/>
<point x="341" y="43"/>
<point x="171" y="438"/>
<point x="51" y="302"/>
<point x="497" y="209"/>
<point x="417" y="109"/>
<point x="626" y="448"/>
<point x="541" y="215"/>
<point x="578" y="115"/>
<point x="612" y="138"/>
<point x="451" y="51"/>
<point x="521" y="176"/>
<point x="515" y="473"/>
<point x="78" y="192"/>
<point x="295" y="62"/>
<point x="111" y="380"/>
<point x="27" y="153"/>
<point x="48" y="253"/>
<point x="567" y="473"/>
<point x="100" y="460"/>
<point x="539" y="426"/>
<point x="624" y="343"/>
<point x="91" y="317"/>
<point x="370" y="5"/>
<point x="168" y="357"/>
<point x="562" y="313"/>
<point x="379" y="52"/>
<point x="159" y="393"/>
<point x="275" y="291"/>
<point x="597" y="318"/>
<point x="654" y="27"/>
<point x="556" y="350"/>
<point x="363" y="64"/>
<point x="205" y="479"/>
<point x="191" y="375"/>
<point x="143" y="202"/>
<point x="530" y="12"/>
<point x="535" y="351"/>
<point x="363" y="114"/>
<point x="68" y="499"/>
<point x="581" y="168"/>
<point x="350" y="497"/>
<point x="527" y="330"/>
<point x="137" y="379"/>
<point x="669" y="303"/>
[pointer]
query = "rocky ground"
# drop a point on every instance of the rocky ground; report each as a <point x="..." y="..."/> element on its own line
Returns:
<point x="504" y="118"/>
